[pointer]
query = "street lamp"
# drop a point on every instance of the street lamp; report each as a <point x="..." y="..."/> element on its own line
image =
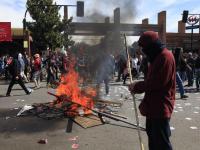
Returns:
<point x="192" y="20"/>
<point x="26" y="43"/>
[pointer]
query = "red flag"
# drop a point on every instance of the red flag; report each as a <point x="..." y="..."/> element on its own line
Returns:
<point x="5" y="31"/>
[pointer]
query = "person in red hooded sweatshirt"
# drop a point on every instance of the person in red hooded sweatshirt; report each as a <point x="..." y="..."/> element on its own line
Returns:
<point x="159" y="88"/>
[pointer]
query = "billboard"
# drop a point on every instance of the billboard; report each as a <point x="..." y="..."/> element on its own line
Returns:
<point x="5" y="31"/>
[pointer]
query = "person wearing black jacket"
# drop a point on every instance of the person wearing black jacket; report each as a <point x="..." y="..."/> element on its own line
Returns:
<point x="180" y="63"/>
<point x="121" y="65"/>
<point x="14" y="69"/>
<point x="190" y="72"/>
<point x="197" y="70"/>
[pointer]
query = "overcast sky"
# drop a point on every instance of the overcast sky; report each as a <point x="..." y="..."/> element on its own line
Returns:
<point x="13" y="10"/>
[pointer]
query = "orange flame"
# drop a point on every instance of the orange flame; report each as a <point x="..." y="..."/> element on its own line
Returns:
<point x="69" y="86"/>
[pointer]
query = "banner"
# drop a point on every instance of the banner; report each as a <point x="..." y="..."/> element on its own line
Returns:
<point x="5" y="31"/>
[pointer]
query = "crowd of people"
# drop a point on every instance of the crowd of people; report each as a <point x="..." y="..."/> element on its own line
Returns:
<point x="21" y="69"/>
<point x="51" y="66"/>
<point x="187" y="69"/>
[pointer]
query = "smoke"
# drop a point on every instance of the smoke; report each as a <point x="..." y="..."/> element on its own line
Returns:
<point x="98" y="10"/>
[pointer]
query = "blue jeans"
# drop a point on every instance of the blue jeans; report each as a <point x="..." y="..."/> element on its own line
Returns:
<point x="180" y="84"/>
<point x="197" y="78"/>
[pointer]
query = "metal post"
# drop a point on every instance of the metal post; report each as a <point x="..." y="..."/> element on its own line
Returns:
<point x="69" y="125"/>
<point x="133" y="96"/>
<point x="26" y="35"/>
<point x="66" y="17"/>
<point x="199" y="23"/>
<point x="191" y="39"/>
<point x="66" y="12"/>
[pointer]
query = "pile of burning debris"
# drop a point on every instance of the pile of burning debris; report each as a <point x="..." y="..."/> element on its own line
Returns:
<point x="74" y="103"/>
<point x="65" y="107"/>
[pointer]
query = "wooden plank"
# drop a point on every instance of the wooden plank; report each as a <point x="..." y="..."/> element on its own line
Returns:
<point x="88" y="121"/>
<point x="108" y="102"/>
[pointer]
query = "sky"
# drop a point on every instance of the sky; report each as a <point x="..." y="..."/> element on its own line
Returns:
<point x="13" y="10"/>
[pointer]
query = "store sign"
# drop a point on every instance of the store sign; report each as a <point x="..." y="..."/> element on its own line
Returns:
<point x="192" y="20"/>
<point x="192" y="27"/>
<point x="5" y="31"/>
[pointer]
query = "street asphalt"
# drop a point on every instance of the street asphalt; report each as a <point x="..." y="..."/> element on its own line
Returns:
<point x="23" y="133"/>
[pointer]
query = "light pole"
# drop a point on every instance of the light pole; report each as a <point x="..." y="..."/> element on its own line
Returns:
<point x="192" y="20"/>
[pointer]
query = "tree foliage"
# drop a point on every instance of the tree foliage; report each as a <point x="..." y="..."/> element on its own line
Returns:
<point x="48" y="30"/>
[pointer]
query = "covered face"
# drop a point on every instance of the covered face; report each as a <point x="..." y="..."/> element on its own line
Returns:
<point x="147" y="38"/>
<point x="151" y="45"/>
<point x="37" y="56"/>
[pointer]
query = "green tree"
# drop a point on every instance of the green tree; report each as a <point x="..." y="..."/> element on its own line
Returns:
<point x="47" y="29"/>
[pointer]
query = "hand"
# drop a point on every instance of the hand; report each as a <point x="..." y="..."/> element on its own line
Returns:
<point x="132" y="86"/>
<point x="16" y="77"/>
<point x="143" y="108"/>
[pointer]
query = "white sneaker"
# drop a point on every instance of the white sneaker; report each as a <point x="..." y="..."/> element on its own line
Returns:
<point x="30" y="91"/>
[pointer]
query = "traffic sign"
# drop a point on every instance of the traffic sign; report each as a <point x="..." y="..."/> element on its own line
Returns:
<point x="192" y="27"/>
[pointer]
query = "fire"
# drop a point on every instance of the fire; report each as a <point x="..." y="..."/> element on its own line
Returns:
<point x="69" y="87"/>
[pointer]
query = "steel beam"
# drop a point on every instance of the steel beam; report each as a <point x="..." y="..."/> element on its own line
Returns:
<point x="103" y="28"/>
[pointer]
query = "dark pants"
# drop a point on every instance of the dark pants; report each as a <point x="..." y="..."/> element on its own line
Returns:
<point x="120" y="72"/>
<point x="197" y="78"/>
<point x="7" y="75"/>
<point x="50" y="77"/>
<point x="20" y="82"/>
<point x="125" y="76"/>
<point x="106" y="82"/>
<point x="190" y="77"/>
<point x="134" y="72"/>
<point x="158" y="131"/>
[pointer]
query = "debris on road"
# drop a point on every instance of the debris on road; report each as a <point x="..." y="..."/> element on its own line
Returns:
<point x="73" y="138"/>
<point x="75" y="146"/>
<point x="7" y="117"/>
<point x="43" y="141"/>
<point x="25" y="108"/>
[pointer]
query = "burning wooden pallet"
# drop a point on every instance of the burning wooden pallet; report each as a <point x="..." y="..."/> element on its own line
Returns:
<point x="51" y="111"/>
<point x="88" y="121"/>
